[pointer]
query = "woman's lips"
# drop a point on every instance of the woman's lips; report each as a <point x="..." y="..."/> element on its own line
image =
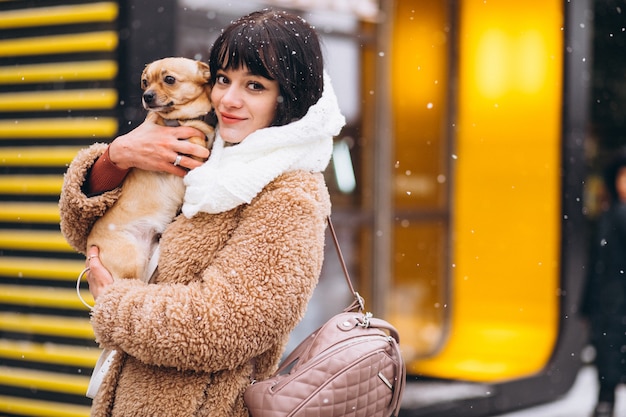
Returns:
<point x="230" y="118"/>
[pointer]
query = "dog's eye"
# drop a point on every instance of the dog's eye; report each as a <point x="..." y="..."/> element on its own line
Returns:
<point x="169" y="79"/>
<point x="144" y="83"/>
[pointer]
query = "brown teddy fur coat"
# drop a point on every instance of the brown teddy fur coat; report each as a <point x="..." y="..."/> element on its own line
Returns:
<point x="229" y="290"/>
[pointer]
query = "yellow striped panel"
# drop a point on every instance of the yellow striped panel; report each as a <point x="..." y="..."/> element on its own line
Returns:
<point x="41" y="380"/>
<point x="28" y="212"/>
<point x="59" y="100"/>
<point x="105" y="41"/>
<point x="43" y="297"/>
<point x="31" y="184"/>
<point x="38" y="408"/>
<point x="59" y="15"/>
<point x="40" y="268"/>
<point x="40" y="156"/>
<point x="52" y="353"/>
<point x="46" y="325"/>
<point x="44" y="240"/>
<point x="75" y="128"/>
<point x="59" y="72"/>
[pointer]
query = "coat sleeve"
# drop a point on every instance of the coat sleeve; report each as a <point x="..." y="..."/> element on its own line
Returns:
<point x="250" y="298"/>
<point x="79" y="212"/>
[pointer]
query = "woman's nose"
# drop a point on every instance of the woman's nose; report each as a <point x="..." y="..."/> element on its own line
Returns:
<point x="231" y="97"/>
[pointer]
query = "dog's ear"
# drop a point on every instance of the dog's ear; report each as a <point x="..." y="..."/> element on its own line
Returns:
<point x="203" y="67"/>
<point x="143" y="80"/>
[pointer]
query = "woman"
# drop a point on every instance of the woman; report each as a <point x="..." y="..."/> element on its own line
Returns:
<point x="605" y="302"/>
<point x="238" y="266"/>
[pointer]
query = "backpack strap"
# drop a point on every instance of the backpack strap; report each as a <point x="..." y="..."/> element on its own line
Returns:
<point x="359" y="302"/>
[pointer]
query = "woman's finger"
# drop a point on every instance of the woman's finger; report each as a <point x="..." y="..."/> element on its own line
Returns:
<point x="99" y="277"/>
<point x="92" y="253"/>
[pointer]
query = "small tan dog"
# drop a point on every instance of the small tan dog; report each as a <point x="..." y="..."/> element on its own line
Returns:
<point x="176" y="91"/>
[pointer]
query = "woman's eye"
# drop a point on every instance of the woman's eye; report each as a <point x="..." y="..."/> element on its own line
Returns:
<point x="169" y="79"/>
<point x="256" y="86"/>
<point x="221" y="79"/>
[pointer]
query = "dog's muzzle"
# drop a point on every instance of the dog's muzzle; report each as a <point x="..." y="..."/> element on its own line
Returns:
<point x="148" y="97"/>
<point x="150" y="102"/>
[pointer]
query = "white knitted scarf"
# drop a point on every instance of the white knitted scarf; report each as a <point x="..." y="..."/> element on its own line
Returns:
<point x="234" y="175"/>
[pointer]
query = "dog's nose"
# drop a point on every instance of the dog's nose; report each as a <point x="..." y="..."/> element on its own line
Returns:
<point x="148" y="97"/>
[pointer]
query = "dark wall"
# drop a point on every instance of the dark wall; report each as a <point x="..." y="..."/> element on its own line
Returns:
<point x="147" y="32"/>
<point x="609" y="74"/>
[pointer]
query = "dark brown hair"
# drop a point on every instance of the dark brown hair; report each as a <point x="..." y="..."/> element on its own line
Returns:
<point x="279" y="46"/>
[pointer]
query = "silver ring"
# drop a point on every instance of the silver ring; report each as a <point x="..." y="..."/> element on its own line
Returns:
<point x="178" y="159"/>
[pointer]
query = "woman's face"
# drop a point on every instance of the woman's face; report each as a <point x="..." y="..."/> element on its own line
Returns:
<point x="620" y="184"/>
<point x="243" y="103"/>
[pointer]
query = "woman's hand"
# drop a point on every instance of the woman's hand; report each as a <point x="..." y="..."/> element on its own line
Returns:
<point x="153" y="147"/>
<point x="99" y="277"/>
